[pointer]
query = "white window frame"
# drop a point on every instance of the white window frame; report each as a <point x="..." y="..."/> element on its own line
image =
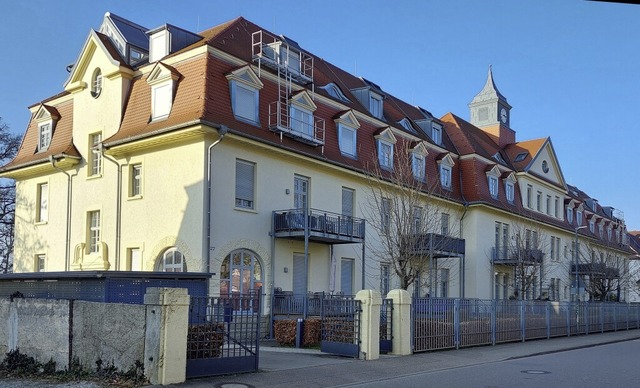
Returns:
<point x="539" y="201"/>
<point x="161" y="100"/>
<point x="509" y="189"/>
<point x="236" y="89"/>
<point x="42" y="211"/>
<point x="569" y="215"/>
<point x="592" y="225"/>
<point x="417" y="220"/>
<point x="548" y="204"/>
<point x="304" y="123"/>
<point x="444" y="224"/>
<point x="376" y="105"/>
<point x="95" y="154"/>
<point x="385" y="158"/>
<point x="579" y="217"/>
<point x="174" y="266"/>
<point x="93" y="231"/>
<point x="493" y="186"/>
<point x="529" y="197"/>
<point x="245" y="190"/>
<point x="445" y="176"/>
<point x="40" y="262"/>
<point x="96" y="83"/>
<point x="418" y="166"/>
<point x="135" y="180"/>
<point x="436" y="133"/>
<point x="346" y="132"/>
<point x="45" y="135"/>
<point x="556" y="206"/>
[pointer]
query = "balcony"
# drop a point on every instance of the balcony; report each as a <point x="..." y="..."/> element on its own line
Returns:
<point x="515" y="256"/>
<point x="437" y="245"/>
<point x="309" y="130"/>
<point x="596" y="270"/>
<point x="323" y="226"/>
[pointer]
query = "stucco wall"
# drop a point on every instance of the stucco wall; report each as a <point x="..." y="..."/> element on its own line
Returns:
<point x="111" y="332"/>
<point x="37" y="327"/>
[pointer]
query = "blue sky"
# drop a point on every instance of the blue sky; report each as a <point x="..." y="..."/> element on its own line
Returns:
<point x="569" y="68"/>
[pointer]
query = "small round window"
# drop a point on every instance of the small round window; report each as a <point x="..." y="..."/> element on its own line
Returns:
<point x="96" y="83"/>
<point x="545" y="166"/>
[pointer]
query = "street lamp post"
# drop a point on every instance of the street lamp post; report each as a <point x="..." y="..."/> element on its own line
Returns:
<point x="575" y="260"/>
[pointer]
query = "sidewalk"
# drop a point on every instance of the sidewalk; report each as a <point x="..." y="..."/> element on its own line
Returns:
<point x="290" y="367"/>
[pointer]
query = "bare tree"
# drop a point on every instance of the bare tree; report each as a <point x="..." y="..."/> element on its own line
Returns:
<point x="9" y="144"/>
<point x="406" y="212"/>
<point x="520" y="251"/>
<point x="603" y="273"/>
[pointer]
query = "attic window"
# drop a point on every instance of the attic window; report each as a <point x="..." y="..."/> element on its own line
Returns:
<point x="96" y="83"/>
<point x="436" y="134"/>
<point x="375" y="105"/>
<point x="499" y="158"/>
<point x="406" y="124"/>
<point x="521" y="156"/>
<point x="45" y="137"/>
<point x="334" y="91"/>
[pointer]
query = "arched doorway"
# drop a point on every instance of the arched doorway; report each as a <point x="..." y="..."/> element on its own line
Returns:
<point x="241" y="274"/>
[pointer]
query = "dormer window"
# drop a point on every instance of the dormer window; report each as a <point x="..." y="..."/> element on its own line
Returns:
<point x="301" y="120"/>
<point x="520" y="157"/>
<point x="334" y="91"/>
<point x="436" y="133"/>
<point x="96" y="83"/>
<point x="509" y="189"/>
<point x="375" y="105"/>
<point x="569" y="215"/>
<point x="384" y="143"/>
<point x="406" y="124"/>
<point x="45" y="137"/>
<point x="492" y="180"/>
<point x="601" y="231"/>
<point x="579" y="217"/>
<point x="347" y="124"/>
<point x="162" y="80"/>
<point x="445" y="165"/>
<point x="609" y="233"/>
<point x="46" y="117"/>
<point x="418" y="166"/>
<point x="245" y="87"/>
<point x="592" y="225"/>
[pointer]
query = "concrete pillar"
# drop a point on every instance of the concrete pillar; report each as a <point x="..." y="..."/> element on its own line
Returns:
<point x="165" y="344"/>
<point x="369" y="324"/>
<point x="401" y="322"/>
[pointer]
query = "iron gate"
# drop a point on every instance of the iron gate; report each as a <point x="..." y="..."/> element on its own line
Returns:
<point x="386" y="326"/>
<point x="223" y="335"/>
<point x="341" y="326"/>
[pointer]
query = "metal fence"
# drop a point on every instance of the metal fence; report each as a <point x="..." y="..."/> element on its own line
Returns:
<point x="453" y="323"/>
<point x="340" y="327"/>
<point x="223" y="335"/>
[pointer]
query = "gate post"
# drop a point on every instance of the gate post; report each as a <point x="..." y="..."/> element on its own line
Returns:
<point x="369" y="324"/>
<point x="165" y="343"/>
<point x="401" y="334"/>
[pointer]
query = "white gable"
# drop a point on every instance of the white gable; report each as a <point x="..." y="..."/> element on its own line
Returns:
<point x="545" y="164"/>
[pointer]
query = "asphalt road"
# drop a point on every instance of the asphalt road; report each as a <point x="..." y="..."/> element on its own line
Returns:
<point x="613" y="365"/>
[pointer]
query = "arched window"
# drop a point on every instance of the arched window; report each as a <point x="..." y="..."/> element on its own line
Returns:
<point x="96" y="83"/>
<point x="172" y="260"/>
<point x="240" y="273"/>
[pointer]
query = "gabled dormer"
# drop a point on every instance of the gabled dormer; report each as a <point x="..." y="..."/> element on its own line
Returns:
<point x="419" y="155"/>
<point x="162" y="79"/>
<point x="493" y="174"/>
<point x="128" y="38"/>
<point x="445" y="166"/>
<point x="431" y="126"/>
<point x="372" y="97"/>
<point x="245" y="86"/>
<point x="347" y="125"/>
<point x="46" y="117"/>
<point x="509" y="179"/>
<point x="385" y="142"/>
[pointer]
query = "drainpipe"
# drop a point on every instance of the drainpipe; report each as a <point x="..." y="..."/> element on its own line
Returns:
<point x="67" y="252"/>
<point x="222" y="130"/>
<point x="118" y="204"/>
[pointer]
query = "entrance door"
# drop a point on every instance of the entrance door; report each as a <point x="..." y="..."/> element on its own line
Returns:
<point x="240" y="276"/>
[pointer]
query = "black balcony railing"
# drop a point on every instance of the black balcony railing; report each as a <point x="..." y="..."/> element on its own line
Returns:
<point x="437" y="244"/>
<point x="596" y="270"/>
<point x="515" y="256"/>
<point x="322" y="225"/>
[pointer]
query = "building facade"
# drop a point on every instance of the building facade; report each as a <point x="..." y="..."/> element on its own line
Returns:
<point x="236" y="152"/>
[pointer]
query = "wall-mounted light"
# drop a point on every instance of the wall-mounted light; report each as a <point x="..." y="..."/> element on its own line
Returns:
<point x="286" y="269"/>
<point x="287" y="191"/>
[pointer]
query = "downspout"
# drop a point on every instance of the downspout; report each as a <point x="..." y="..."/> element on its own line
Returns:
<point x="464" y="213"/>
<point x="118" y="205"/>
<point x="67" y="252"/>
<point x="222" y="130"/>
